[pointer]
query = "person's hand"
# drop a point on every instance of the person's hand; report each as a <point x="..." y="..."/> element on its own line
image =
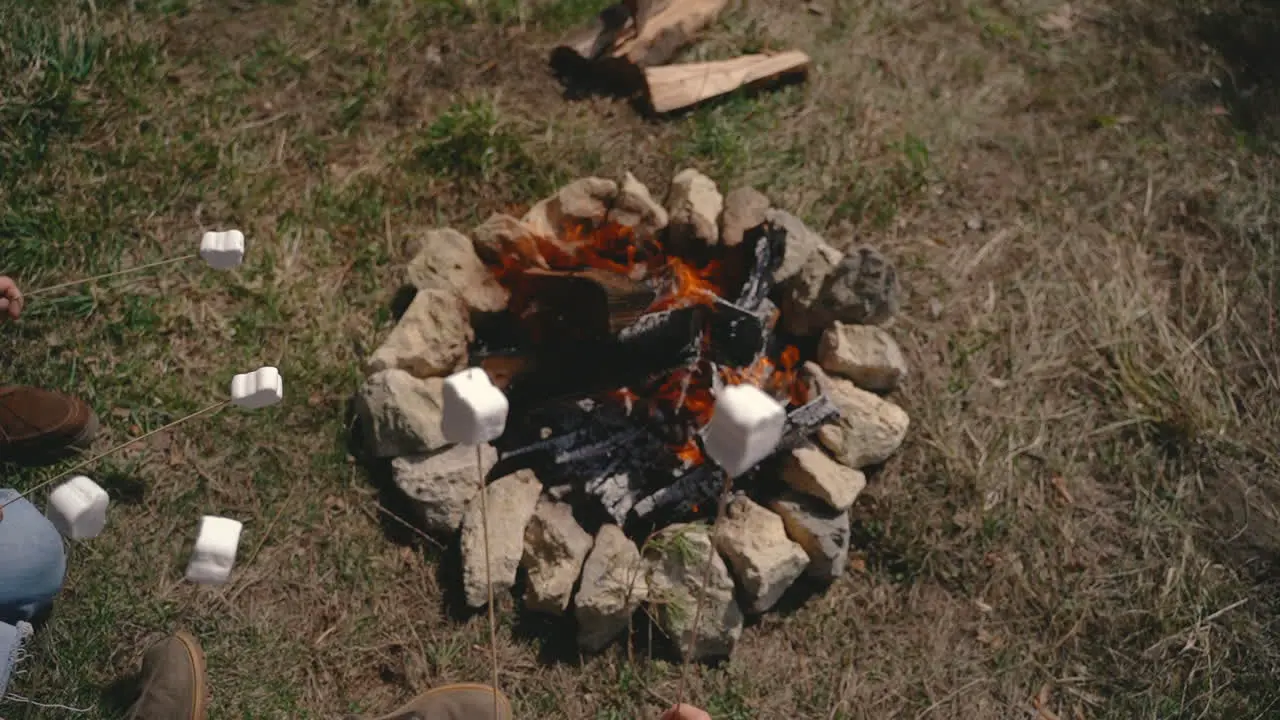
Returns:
<point x="685" y="712"/>
<point x="10" y="299"/>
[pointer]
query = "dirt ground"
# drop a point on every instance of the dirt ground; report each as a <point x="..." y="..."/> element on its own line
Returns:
<point x="1081" y="199"/>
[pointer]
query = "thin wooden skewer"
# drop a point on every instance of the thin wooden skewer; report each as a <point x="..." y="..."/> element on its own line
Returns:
<point x="488" y="576"/>
<point x="121" y="446"/>
<point x="117" y="273"/>
<point x="706" y="580"/>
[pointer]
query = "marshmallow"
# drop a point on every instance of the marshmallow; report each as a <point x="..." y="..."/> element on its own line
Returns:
<point x="474" y="410"/>
<point x="261" y="388"/>
<point x="222" y="250"/>
<point x="215" y="552"/>
<point x="78" y="508"/>
<point x="746" y="428"/>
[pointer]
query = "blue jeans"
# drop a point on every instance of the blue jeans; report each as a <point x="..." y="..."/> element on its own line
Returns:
<point x="33" y="561"/>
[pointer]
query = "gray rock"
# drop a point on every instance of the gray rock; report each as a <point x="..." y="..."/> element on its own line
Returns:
<point x="865" y="354"/>
<point x="555" y="547"/>
<point x="863" y="289"/>
<point x="401" y="414"/>
<point x="613" y="586"/>
<point x="677" y="558"/>
<point x="441" y="484"/>
<point x="431" y="338"/>
<point x="510" y="502"/>
<point x="801" y="243"/>
<point x="821" y="531"/>
<point x="753" y="540"/>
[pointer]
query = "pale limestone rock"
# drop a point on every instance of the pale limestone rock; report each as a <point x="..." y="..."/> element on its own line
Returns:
<point x="583" y="202"/>
<point x="753" y="540"/>
<point x="510" y="502"/>
<point x="802" y="310"/>
<point x="677" y="558"/>
<point x="821" y="531"/>
<point x="694" y="205"/>
<point x="872" y="428"/>
<point x="447" y="260"/>
<point x="613" y="586"/>
<point x="502" y="236"/>
<point x="431" y="338"/>
<point x="442" y="484"/>
<point x="401" y="414"/>
<point x="865" y="354"/>
<point x="744" y="208"/>
<point x="807" y="469"/>
<point x="636" y="208"/>
<point x="555" y="547"/>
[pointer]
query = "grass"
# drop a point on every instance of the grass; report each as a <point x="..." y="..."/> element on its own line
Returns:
<point x="1084" y="516"/>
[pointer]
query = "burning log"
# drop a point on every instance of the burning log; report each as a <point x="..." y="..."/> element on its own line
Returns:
<point x="589" y="303"/>
<point x="805" y="420"/>
<point x="766" y="244"/>
<point x="673" y="87"/>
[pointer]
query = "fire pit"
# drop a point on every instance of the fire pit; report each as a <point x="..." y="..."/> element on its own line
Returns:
<point x="612" y="322"/>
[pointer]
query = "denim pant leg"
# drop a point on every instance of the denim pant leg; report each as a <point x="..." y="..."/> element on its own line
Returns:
<point x="33" y="561"/>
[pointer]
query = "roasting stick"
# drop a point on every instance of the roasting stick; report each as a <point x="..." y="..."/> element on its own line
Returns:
<point x="117" y="273"/>
<point x="252" y="390"/>
<point x="745" y="428"/>
<point x="220" y="251"/>
<point x="474" y="412"/>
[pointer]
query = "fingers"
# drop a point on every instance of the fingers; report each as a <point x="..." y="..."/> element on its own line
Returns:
<point x="685" y="712"/>
<point x="11" y="300"/>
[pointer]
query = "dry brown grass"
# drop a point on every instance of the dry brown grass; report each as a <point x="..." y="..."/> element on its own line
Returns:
<point x="1084" y="517"/>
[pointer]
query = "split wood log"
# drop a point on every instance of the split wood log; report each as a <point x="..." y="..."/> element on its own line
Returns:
<point x="672" y="87"/>
<point x="592" y="297"/>
<point x="629" y="36"/>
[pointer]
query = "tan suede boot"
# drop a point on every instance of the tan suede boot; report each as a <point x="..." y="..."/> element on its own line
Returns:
<point x="173" y="681"/>
<point x="463" y="701"/>
<point x="41" y="427"/>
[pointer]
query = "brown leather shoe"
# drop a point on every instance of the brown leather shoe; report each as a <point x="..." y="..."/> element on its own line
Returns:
<point x="173" y="681"/>
<point x="463" y="701"/>
<point x="40" y="427"/>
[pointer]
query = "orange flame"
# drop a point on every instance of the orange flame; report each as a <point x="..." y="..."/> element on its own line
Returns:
<point x="683" y="395"/>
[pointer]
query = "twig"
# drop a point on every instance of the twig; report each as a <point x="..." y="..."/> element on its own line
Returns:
<point x="950" y="696"/>
<point x="410" y="526"/>
<point x="488" y="574"/>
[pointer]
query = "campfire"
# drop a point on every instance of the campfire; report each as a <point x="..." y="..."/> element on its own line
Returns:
<point x="622" y="345"/>
<point x="612" y="323"/>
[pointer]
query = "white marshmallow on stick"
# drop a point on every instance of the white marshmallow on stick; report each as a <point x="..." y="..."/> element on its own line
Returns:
<point x="474" y="410"/>
<point x="259" y="389"/>
<point x="746" y="427"/>
<point x="222" y="250"/>
<point x="78" y="508"/>
<point x="214" y="556"/>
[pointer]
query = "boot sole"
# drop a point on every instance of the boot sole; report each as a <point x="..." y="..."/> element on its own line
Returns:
<point x="200" y="693"/>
